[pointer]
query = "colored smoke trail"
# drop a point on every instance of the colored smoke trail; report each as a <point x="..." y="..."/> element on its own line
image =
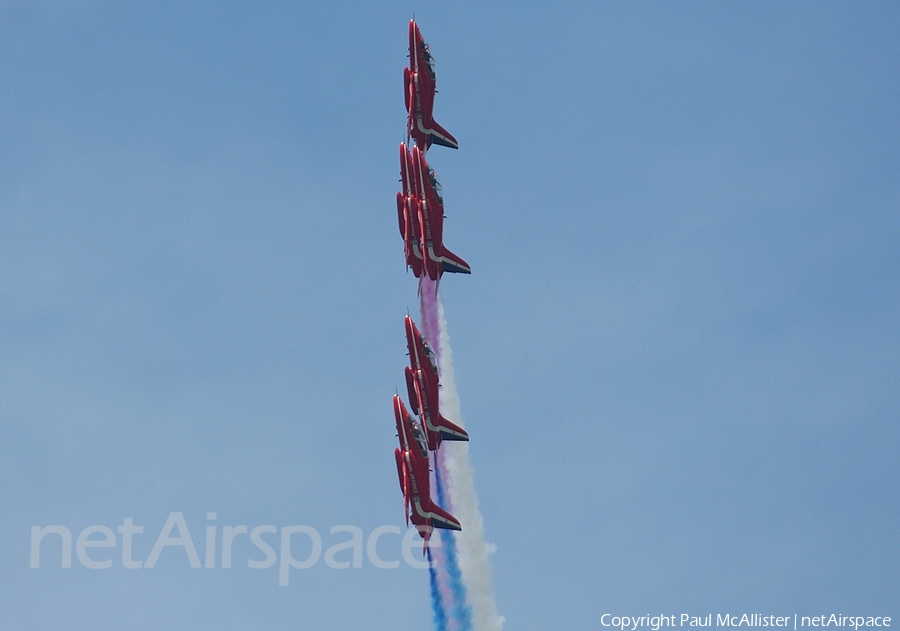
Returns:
<point x="446" y="575"/>
<point x="428" y="305"/>
<point x="474" y="604"/>
<point x="443" y="595"/>
<point x="440" y="617"/>
<point x="474" y="551"/>
<point x="460" y="611"/>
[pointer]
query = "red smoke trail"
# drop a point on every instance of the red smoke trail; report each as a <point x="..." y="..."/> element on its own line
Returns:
<point x="429" y="309"/>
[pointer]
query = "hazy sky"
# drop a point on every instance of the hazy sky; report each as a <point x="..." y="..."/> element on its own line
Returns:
<point x="678" y="353"/>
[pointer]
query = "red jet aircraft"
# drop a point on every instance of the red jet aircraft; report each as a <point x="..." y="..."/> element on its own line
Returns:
<point x="408" y="209"/>
<point x="412" y="467"/>
<point x="422" y="385"/>
<point x="436" y="258"/>
<point x="419" y="84"/>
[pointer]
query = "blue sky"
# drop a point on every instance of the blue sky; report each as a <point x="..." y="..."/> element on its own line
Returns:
<point x="678" y="354"/>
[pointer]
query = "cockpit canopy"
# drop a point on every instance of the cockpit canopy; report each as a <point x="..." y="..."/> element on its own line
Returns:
<point x="429" y="59"/>
<point x="419" y="438"/>
<point x="436" y="185"/>
<point x="429" y="354"/>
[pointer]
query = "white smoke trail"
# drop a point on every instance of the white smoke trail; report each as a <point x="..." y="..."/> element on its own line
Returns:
<point x="474" y="551"/>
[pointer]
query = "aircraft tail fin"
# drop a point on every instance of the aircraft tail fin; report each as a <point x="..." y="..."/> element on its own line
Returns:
<point x="452" y="263"/>
<point x="451" y="431"/>
<point x="442" y="519"/>
<point x="440" y="136"/>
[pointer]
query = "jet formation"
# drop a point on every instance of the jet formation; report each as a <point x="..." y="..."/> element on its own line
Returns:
<point x="421" y="436"/>
<point x="420" y="210"/>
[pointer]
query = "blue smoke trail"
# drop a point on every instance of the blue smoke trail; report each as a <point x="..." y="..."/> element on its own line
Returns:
<point x="459" y="610"/>
<point x="440" y="617"/>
